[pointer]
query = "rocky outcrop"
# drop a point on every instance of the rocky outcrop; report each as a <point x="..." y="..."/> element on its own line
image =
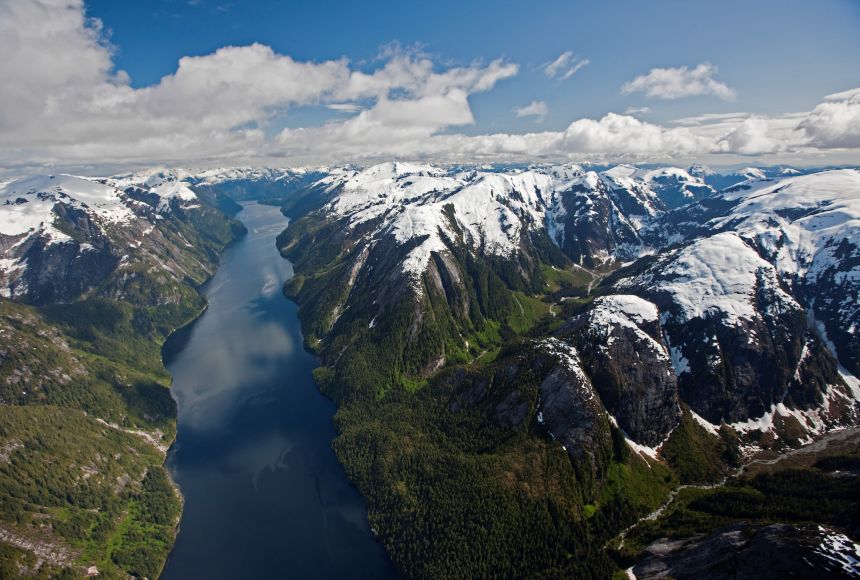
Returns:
<point x="569" y="407"/>
<point x="621" y="346"/>
<point x="748" y="552"/>
<point x="739" y="341"/>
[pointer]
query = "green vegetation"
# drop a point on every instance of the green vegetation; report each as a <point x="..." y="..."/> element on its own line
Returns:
<point x="696" y="455"/>
<point x="788" y="495"/>
<point x="71" y="482"/>
<point x="569" y="281"/>
<point x="526" y="313"/>
<point x="87" y="416"/>
<point x="438" y="392"/>
<point x="452" y="488"/>
<point x="77" y="485"/>
<point x="456" y="495"/>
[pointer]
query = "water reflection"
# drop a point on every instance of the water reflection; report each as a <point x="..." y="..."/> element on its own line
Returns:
<point x="265" y="496"/>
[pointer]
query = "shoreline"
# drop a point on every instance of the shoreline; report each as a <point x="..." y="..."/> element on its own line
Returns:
<point x="182" y="333"/>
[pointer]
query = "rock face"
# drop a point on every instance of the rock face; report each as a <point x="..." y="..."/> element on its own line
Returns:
<point x="622" y="349"/>
<point x="738" y="339"/>
<point x="570" y="408"/>
<point x="746" y="552"/>
<point x="601" y="218"/>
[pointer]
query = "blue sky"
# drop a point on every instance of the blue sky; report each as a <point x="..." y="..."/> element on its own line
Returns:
<point x="762" y="48"/>
<point x="136" y="83"/>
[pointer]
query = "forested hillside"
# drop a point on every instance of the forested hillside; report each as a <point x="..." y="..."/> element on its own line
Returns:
<point x="99" y="274"/>
<point x="527" y="361"/>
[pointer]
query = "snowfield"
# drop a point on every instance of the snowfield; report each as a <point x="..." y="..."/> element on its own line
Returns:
<point x="719" y="276"/>
<point x="26" y="205"/>
<point x="488" y="210"/>
<point x="800" y="221"/>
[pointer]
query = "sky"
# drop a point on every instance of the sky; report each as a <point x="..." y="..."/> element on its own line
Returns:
<point x="117" y="85"/>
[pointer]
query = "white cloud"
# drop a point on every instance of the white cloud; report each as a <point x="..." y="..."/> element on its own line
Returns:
<point x="564" y="67"/>
<point x="613" y="137"/>
<point x="62" y="102"/>
<point x="534" y="109"/>
<point x="637" y="110"/>
<point x="616" y="133"/>
<point x="751" y="137"/>
<point x="345" y="107"/>
<point x="710" y="118"/>
<point x="676" y="83"/>
<point x="834" y="123"/>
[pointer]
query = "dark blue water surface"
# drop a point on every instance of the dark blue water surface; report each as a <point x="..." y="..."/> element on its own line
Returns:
<point x="264" y="494"/>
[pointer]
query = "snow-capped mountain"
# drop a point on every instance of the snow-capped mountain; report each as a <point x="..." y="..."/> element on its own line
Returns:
<point x="807" y="229"/>
<point x="677" y="187"/>
<point x="747" y="175"/>
<point x="62" y="236"/>
<point x="751" y="292"/>
<point x="595" y="217"/>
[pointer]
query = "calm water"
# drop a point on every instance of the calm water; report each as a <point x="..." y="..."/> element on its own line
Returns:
<point x="264" y="494"/>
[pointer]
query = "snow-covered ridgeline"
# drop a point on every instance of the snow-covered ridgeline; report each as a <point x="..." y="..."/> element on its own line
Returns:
<point x="625" y="311"/>
<point x="799" y="221"/>
<point x="26" y="205"/>
<point x="31" y="208"/>
<point x="492" y="209"/>
<point x="717" y="276"/>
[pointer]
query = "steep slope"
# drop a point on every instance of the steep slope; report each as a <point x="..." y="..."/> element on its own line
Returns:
<point x="621" y="344"/>
<point x="809" y="227"/>
<point x="680" y="337"/>
<point x="96" y="274"/>
<point x="740" y="343"/>
<point x="435" y="260"/>
<point x="735" y="282"/>
<point x="65" y="237"/>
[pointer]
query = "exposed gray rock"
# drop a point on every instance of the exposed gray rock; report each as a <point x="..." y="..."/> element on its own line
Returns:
<point x="743" y="552"/>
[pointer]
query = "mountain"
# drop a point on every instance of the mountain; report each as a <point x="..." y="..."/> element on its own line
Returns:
<point x="650" y="327"/>
<point x="747" y="175"/>
<point x="527" y="360"/>
<point x="65" y="237"/>
<point x="677" y="187"/>
<point x="735" y="289"/>
<point x="95" y="274"/>
<point x="267" y="185"/>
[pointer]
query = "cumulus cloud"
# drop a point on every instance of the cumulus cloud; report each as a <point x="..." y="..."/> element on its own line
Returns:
<point x="564" y="67"/>
<point x="676" y="83"/>
<point x="62" y="102"/>
<point x="614" y="133"/>
<point x="612" y="137"/>
<point x="751" y="137"/>
<point x="534" y="109"/>
<point x="835" y="122"/>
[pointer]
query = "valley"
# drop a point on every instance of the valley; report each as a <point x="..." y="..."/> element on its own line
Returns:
<point x="534" y="370"/>
<point x="377" y="290"/>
